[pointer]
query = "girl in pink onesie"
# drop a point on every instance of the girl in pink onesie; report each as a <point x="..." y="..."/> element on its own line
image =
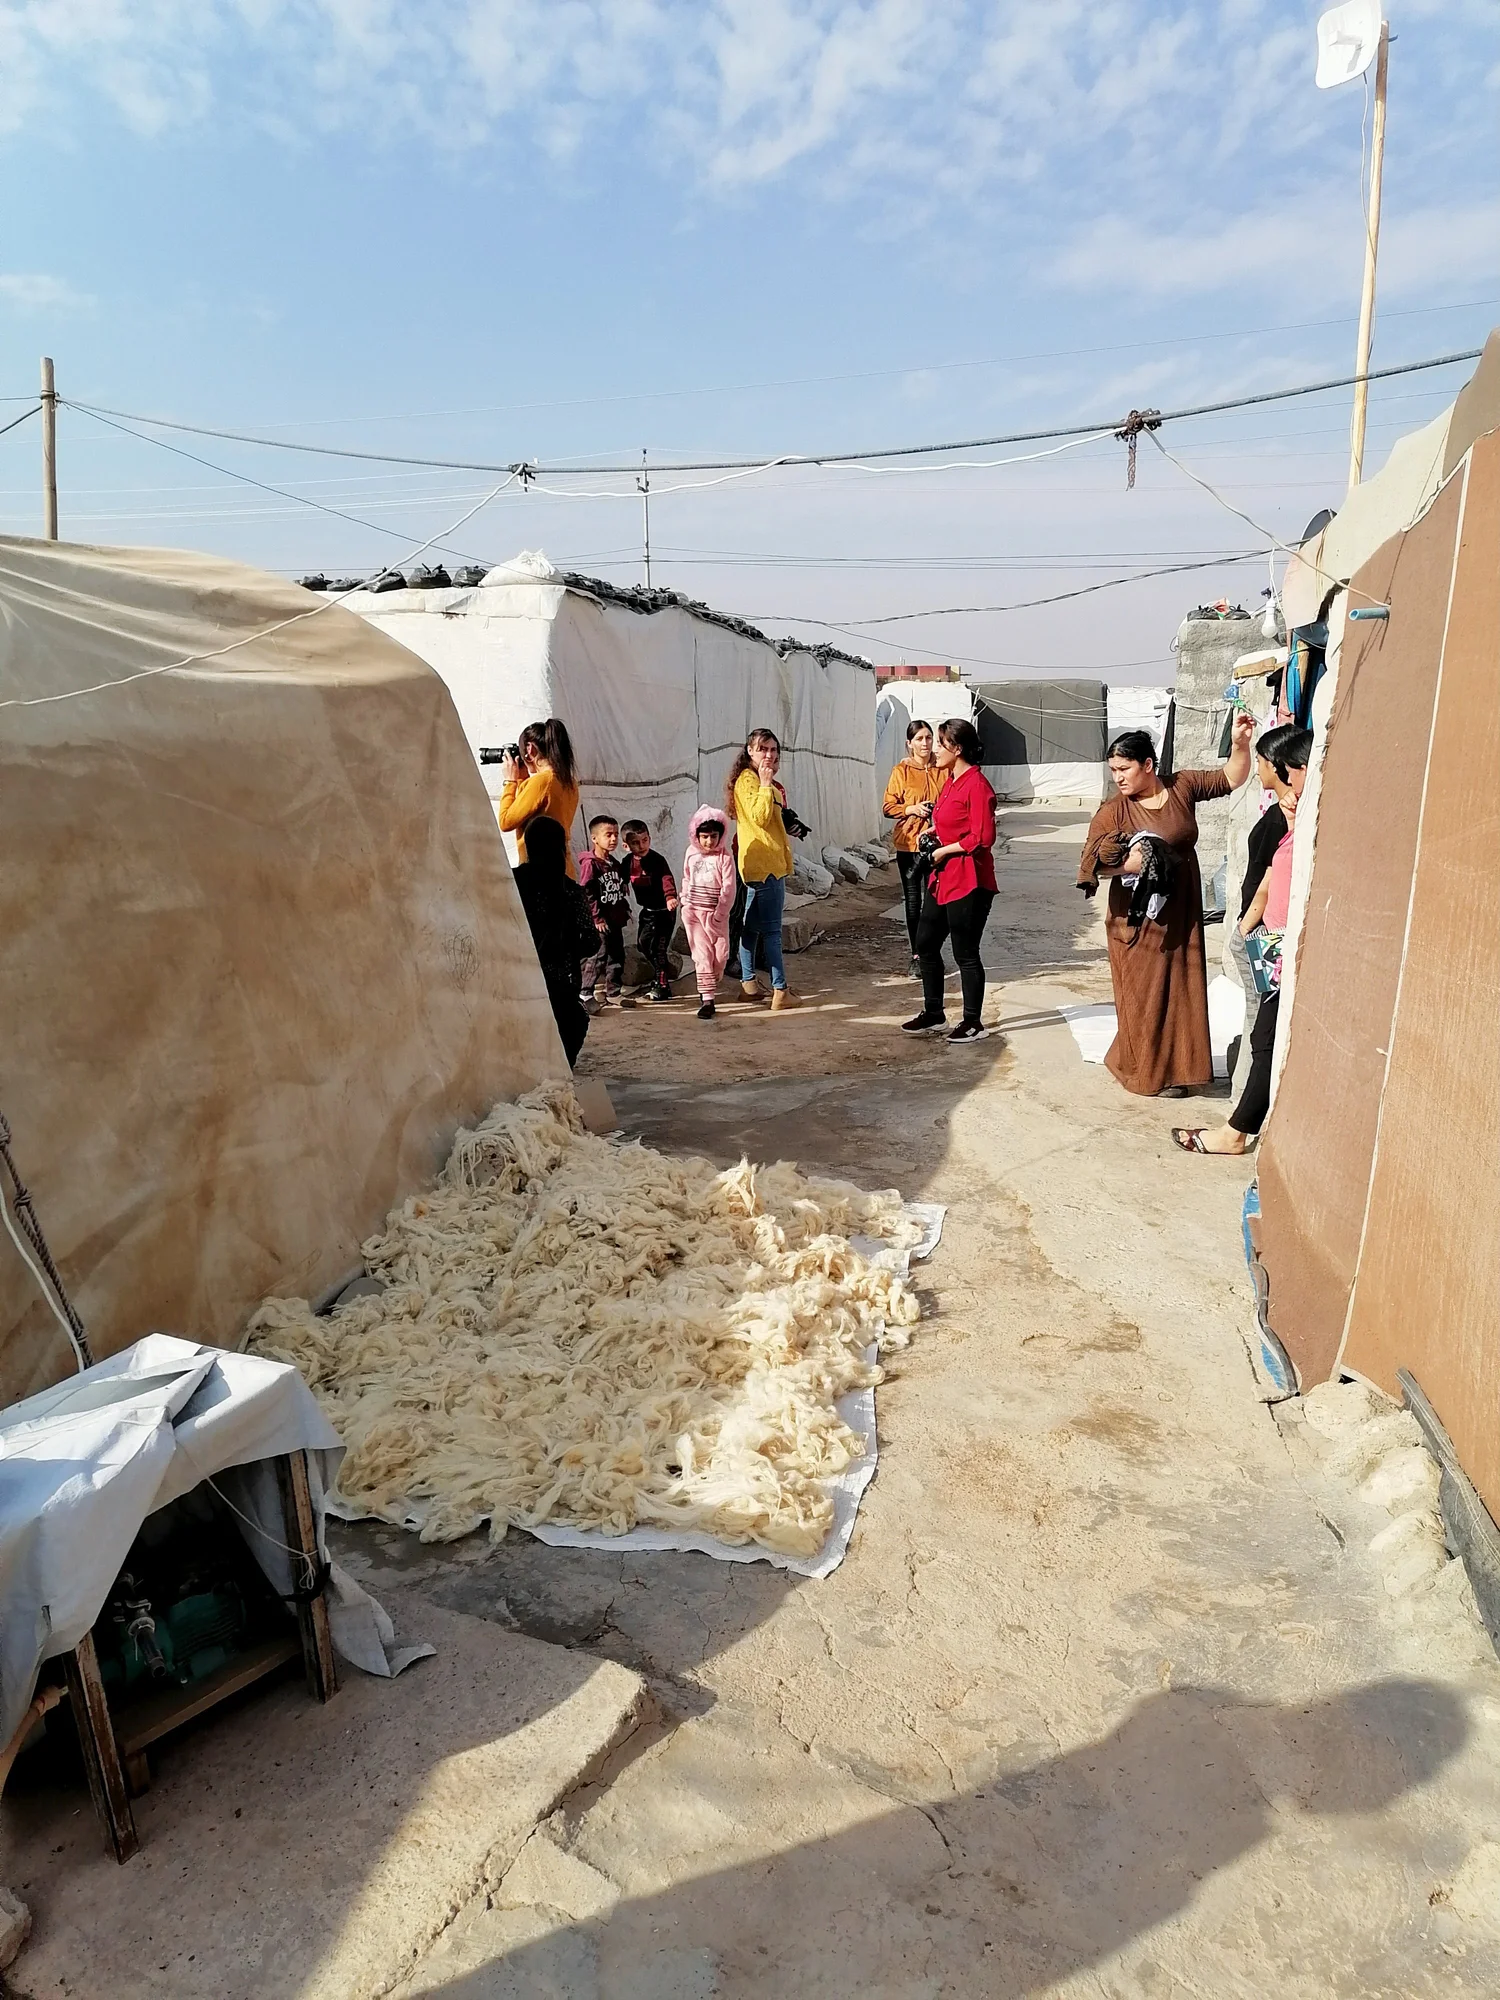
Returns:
<point x="706" y="889"/>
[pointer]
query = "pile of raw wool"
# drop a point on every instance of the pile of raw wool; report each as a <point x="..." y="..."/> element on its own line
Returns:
<point x="577" y="1331"/>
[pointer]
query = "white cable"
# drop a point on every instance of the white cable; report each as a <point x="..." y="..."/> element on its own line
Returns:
<point x="847" y="465"/>
<point x="250" y="638"/>
<point x="44" y="1288"/>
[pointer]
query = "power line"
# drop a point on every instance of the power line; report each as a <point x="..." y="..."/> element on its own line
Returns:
<point x="282" y="493"/>
<point x="527" y="471"/>
<point x="860" y="374"/>
<point x="1026" y="604"/>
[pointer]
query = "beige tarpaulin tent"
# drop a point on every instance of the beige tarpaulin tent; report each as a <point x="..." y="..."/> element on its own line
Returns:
<point x="262" y="949"/>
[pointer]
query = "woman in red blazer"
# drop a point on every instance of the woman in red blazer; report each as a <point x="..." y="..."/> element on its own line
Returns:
<point x="961" y="886"/>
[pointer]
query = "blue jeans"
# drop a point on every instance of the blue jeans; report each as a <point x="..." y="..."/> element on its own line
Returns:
<point x="764" y="902"/>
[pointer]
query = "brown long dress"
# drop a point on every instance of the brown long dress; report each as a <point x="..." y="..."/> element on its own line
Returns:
<point x="1160" y="973"/>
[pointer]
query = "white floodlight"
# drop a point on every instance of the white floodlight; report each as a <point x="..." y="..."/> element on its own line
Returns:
<point x="1348" y="37"/>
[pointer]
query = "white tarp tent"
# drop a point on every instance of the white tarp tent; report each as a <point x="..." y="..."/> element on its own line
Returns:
<point x="86" y="1462"/>
<point x="656" y="699"/>
<point x="263" y="952"/>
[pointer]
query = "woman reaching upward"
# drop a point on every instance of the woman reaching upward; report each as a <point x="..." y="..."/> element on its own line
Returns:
<point x="1157" y="964"/>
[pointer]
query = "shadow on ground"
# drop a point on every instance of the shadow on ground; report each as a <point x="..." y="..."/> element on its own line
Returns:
<point x="1048" y="1870"/>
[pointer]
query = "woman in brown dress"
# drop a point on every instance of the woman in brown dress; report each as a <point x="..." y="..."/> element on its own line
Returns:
<point x="1159" y="970"/>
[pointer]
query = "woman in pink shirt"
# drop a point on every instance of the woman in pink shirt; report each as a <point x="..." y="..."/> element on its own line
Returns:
<point x="961" y="886"/>
<point x="1265" y="918"/>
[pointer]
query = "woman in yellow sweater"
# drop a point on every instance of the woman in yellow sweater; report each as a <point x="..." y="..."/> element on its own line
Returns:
<point x="754" y="800"/>
<point x="910" y="797"/>
<point x="547" y="786"/>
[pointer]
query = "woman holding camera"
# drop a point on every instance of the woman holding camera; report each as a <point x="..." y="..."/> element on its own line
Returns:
<point x="914" y="788"/>
<point x="542" y="784"/>
<point x="959" y="846"/>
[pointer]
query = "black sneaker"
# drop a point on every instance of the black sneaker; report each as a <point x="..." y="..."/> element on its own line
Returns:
<point x="923" y="1024"/>
<point x="706" y="1011"/>
<point x="661" y="993"/>
<point x="970" y="1031"/>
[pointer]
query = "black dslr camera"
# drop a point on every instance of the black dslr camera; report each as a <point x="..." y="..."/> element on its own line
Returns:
<point x="493" y="756"/>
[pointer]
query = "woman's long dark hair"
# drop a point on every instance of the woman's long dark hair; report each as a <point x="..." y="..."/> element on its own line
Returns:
<point x="744" y="763"/>
<point x="550" y="742"/>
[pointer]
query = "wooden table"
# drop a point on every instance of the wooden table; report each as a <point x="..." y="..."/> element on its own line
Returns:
<point x="115" y="1760"/>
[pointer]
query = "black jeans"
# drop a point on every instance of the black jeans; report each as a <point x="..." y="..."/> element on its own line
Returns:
<point x="1255" y="1099"/>
<point x="913" y="871"/>
<point x="607" y="963"/>
<point x="963" y="921"/>
<point x="653" y="939"/>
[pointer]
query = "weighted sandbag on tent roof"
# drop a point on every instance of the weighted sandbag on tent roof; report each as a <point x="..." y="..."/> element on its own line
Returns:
<point x="658" y="693"/>
<point x="263" y="950"/>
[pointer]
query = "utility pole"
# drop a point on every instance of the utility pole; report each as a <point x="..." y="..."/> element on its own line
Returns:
<point x="49" y="451"/>
<point x="1372" y="244"/>
<point x="643" y="487"/>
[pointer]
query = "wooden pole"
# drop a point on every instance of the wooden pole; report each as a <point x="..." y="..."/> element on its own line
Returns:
<point x="1372" y="245"/>
<point x="643" y="485"/>
<point x="49" y="451"/>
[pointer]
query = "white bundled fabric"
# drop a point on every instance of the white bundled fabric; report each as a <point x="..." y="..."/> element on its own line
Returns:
<point x="658" y="702"/>
<point x="871" y="851"/>
<point x="572" y="1332"/>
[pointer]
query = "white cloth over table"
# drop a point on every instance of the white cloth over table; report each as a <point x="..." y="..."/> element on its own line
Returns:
<point x="83" y="1464"/>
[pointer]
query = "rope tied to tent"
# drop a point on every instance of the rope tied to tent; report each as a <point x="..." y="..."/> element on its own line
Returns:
<point x="1129" y="435"/>
<point x="25" y="1214"/>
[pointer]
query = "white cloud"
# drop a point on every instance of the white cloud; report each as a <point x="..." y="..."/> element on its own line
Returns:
<point x="1051" y="107"/>
<point x="1314" y="243"/>
<point x="36" y="292"/>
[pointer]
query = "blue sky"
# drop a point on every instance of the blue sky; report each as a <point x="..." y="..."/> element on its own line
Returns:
<point x="503" y="229"/>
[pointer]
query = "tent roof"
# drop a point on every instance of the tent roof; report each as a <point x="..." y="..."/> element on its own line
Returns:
<point x="1396" y="496"/>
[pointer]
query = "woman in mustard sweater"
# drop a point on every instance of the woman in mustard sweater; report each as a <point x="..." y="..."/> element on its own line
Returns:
<point x="910" y="796"/>
<point x="754" y="800"/>
<point x="547" y="788"/>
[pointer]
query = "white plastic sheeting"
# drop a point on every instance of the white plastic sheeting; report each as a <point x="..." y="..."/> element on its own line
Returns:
<point x="657" y="702"/>
<point x="85" y="1463"/>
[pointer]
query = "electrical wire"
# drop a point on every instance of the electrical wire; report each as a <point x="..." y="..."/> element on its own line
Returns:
<point x="528" y="471"/>
<point x="281" y="492"/>
<point x="1026" y="604"/>
<point x="20" y="419"/>
<point x="249" y="638"/>
<point x="857" y="375"/>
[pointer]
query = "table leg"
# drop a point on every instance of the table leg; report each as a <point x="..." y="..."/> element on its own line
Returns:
<point x="302" y="1533"/>
<point x="101" y="1756"/>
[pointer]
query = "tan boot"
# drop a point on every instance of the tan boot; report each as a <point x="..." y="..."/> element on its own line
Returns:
<point x="750" y="991"/>
<point x="782" y="997"/>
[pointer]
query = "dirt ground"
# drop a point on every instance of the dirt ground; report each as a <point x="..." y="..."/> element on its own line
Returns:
<point x="1108" y="1698"/>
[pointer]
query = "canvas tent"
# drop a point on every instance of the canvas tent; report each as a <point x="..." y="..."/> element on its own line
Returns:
<point x="658" y="694"/>
<point x="1043" y="740"/>
<point x="263" y="951"/>
<point x="1379" y="1173"/>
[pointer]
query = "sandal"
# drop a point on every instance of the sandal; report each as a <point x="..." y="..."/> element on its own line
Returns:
<point x="1190" y="1138"/>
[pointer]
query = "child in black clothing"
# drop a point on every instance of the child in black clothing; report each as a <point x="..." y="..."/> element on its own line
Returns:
<point x="605" y="880"/>
<point x="562" y="925"/>
<point x="656" y="893"/>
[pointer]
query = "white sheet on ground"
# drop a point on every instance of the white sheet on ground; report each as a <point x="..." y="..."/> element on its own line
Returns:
<point x="857" y="1410"/>
<point x="1093" y="1028"/>
<point x="84" y="1463"/>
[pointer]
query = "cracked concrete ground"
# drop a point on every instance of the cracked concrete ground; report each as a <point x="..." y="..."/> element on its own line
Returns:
<point x="1108" y="1698"/>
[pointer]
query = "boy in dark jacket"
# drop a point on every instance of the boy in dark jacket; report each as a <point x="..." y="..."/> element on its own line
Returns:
<point x="605" y="880"/>
<point x="656" y="894"/>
